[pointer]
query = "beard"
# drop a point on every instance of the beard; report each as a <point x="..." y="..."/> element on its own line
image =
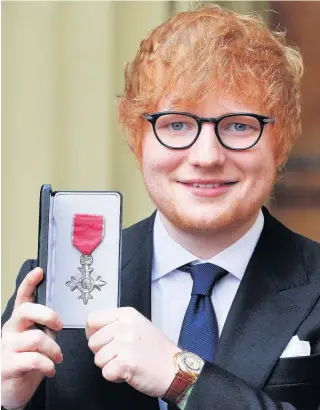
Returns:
<point x="209" y="216"/>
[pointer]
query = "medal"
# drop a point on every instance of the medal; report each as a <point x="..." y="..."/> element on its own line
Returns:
<point x="87" y="234"/>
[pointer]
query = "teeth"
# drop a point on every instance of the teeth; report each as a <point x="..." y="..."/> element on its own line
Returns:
<point x="207" y="185"/>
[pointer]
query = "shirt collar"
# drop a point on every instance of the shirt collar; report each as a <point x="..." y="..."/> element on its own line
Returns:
<point x="168" y="255"/>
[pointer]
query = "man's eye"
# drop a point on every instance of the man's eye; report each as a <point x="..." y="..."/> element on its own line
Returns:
<point x="177" y="126"/>
<point x="238" y="126"/>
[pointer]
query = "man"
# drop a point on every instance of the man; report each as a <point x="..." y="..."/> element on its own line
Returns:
<point x="211" y="109"/>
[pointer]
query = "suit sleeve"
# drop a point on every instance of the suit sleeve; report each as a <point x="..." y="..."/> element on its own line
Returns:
<point x="38" y="399"/>
<point x="218" y="389"/>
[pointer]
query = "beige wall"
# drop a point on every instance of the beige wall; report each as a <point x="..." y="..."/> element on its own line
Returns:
<point x="62" y="66"/>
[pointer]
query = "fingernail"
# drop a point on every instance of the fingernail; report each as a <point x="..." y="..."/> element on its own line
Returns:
<point x="59" y="323"/>
<point x="60" y="358"/>
<point x="35" y="274"/>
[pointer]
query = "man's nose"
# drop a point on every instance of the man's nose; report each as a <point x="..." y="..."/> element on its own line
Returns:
<point x="207" y="150"/>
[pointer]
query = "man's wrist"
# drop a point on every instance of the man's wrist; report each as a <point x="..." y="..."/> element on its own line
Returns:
<point x="189" y="366"/>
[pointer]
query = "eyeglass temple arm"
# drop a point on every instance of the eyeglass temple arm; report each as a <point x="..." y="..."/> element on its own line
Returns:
<point x="268" y="120"/>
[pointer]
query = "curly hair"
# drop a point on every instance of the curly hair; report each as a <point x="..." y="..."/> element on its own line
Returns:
<point x="212" y="48"/>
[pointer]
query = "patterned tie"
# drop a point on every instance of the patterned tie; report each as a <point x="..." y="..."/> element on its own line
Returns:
<point x="199" y="332"/>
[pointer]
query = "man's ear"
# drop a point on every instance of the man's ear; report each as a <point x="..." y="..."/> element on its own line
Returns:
<point x="280" y="160"/>
<point x="280" y="174"/>
<point x="280" y="169"/>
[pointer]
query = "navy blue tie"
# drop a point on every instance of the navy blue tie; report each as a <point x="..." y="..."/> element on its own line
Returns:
<point x="199" y="332"/>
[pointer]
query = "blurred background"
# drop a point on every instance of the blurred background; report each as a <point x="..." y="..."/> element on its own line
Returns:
<point x="62" y="67"/>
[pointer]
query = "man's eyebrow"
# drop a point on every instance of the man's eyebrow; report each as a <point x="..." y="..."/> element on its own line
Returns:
<point x="175" y="107"/>
<point x="168" y="109"/>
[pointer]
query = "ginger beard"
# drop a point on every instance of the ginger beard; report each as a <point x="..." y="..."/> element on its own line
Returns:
<point x="208" y="216"/>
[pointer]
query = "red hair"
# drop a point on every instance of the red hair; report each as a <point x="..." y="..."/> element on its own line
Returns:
<point x="208" y="49"/>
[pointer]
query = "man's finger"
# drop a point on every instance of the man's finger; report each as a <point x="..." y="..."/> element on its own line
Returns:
<point x="36" y="340"/>
<point x="96" y="320"/>
<point x="106" y="354"/>
<point x="102" y="337"/>
<point x="26" y="290"/>
<point x="28" y="361"/>
<point x="112" y="371"/>
<point x="26" y="315"/>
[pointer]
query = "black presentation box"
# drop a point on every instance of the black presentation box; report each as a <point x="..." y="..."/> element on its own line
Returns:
<point x="72" y="224"/>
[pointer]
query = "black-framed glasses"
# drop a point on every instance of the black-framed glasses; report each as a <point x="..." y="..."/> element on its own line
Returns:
<point x="236" y="131"/>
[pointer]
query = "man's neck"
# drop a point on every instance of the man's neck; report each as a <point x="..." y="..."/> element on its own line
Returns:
<point x="205" y="245"/>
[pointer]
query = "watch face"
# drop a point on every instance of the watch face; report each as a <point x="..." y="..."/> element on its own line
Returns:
<point x="190" y="362"/>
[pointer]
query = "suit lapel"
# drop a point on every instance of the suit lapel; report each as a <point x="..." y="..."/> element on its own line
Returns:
<point x="272" y="300"/>
<point x="137" y="249"/>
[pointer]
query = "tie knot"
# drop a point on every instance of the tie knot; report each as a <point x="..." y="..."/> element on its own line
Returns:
<point x="205" y="276"/>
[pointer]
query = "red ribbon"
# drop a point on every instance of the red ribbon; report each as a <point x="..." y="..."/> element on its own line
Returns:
<point x="87" y="232"/>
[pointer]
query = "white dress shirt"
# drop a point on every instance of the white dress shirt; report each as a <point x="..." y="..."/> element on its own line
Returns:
<point x="171" y="288"/>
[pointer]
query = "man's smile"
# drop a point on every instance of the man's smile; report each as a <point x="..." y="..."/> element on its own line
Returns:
<point x="213" y="187"/>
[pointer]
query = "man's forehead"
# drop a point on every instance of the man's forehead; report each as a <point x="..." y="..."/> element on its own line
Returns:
<point x="227" y="101"/>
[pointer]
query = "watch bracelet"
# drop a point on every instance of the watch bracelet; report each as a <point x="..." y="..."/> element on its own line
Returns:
<point x="180" y="378"/>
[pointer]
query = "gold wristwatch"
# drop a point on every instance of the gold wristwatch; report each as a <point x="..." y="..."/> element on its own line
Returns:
<point x="189" y="366"/>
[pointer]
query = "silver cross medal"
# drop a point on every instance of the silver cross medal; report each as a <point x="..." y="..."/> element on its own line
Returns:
<point x="86" y="284"/>
<point x="87" y="235"/>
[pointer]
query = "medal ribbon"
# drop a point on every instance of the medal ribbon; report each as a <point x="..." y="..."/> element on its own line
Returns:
<point x="87" y="232"/>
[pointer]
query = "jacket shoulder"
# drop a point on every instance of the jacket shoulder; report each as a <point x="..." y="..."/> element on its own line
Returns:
<point x="310" y="251"/>
<point x="297" y="247"/>
<point x="135" y="236"/>
<point x="143" y="226"/>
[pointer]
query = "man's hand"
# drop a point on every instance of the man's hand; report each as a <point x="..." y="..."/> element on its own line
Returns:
<point x="128" y="348"/>
<point x="28" y="353"/>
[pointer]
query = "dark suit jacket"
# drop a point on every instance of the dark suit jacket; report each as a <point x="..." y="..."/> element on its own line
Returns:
<point x="277" y="299"/>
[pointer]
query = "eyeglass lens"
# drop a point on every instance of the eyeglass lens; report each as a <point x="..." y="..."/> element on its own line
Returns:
<point x="178" y="130"/>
